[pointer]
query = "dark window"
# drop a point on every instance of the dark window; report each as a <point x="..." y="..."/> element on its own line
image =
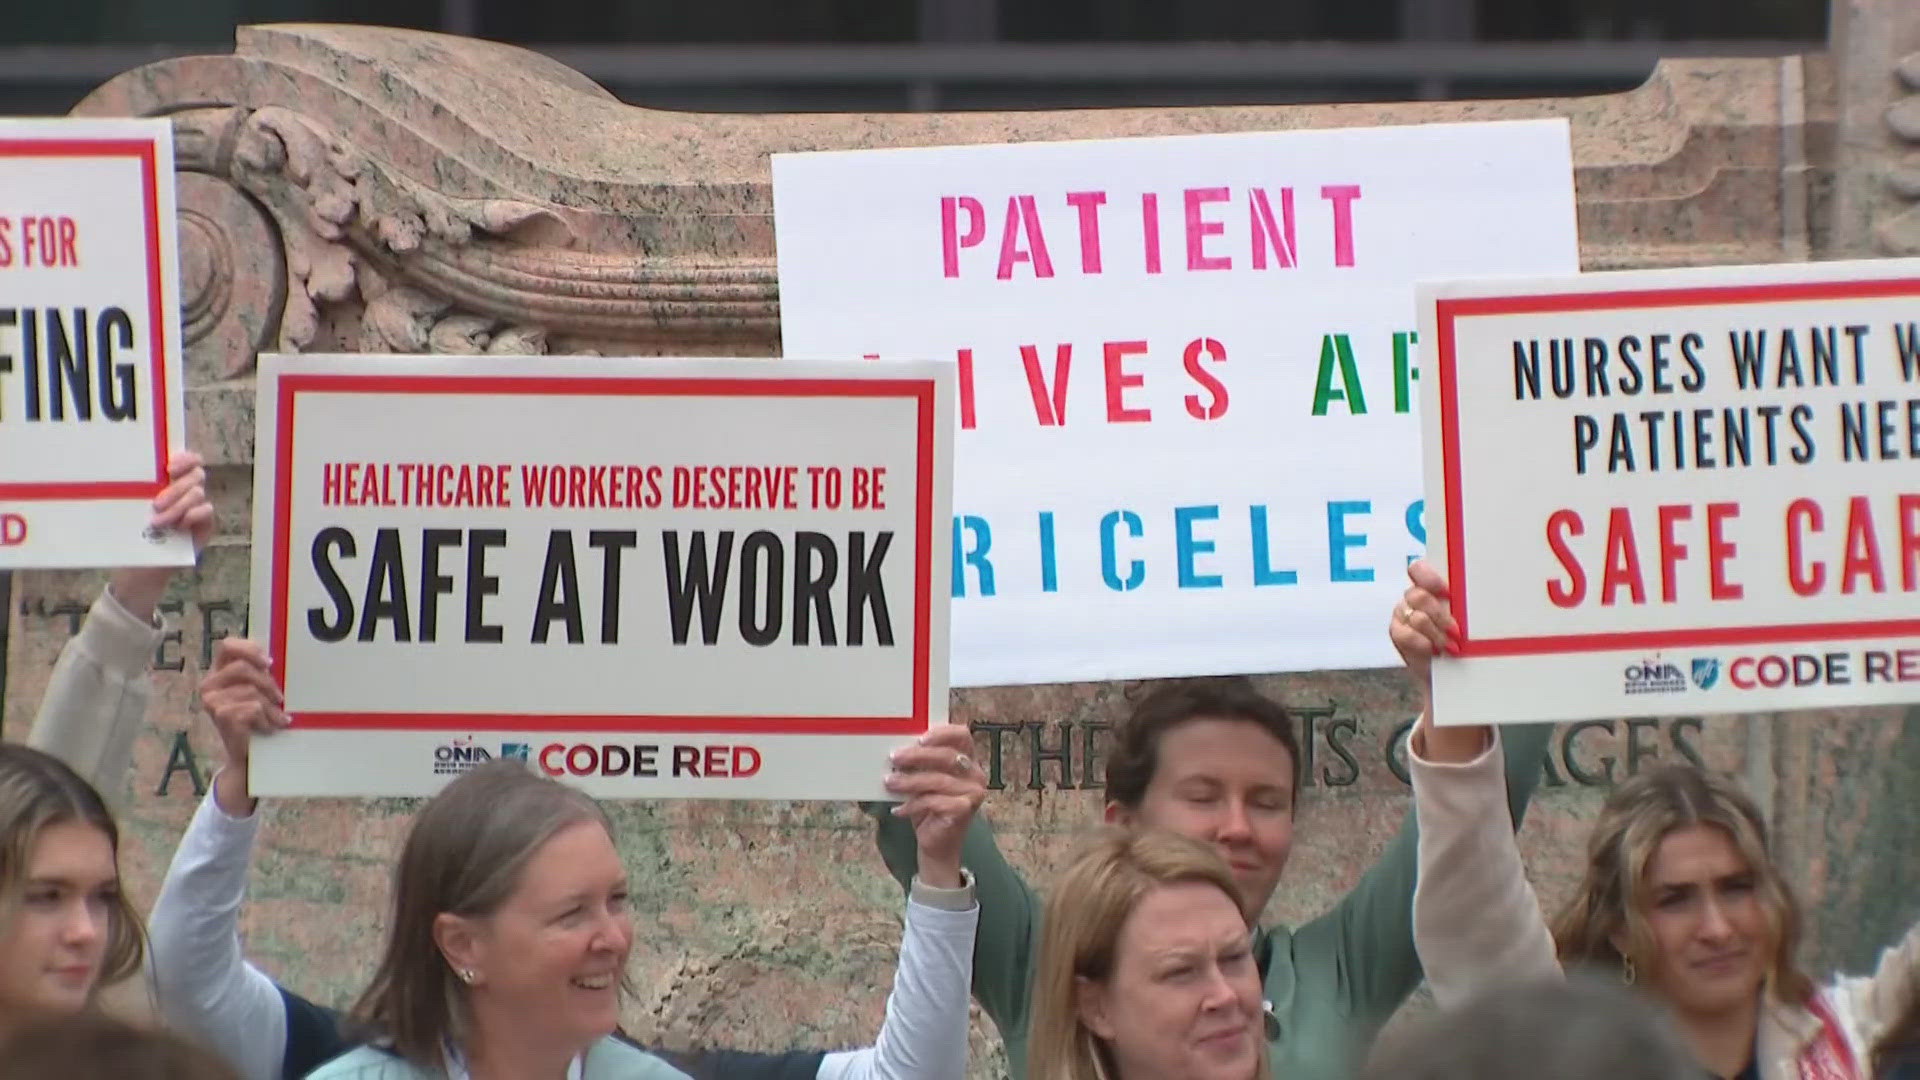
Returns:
<point x="700" y="21"/>
<point x="178" y="22"/>
<point x="1197" y="20"/>
<point x="1669" y="20"/>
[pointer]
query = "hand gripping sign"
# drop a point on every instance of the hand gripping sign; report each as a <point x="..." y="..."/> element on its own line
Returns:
<point x="685" y="578"/>
<point x="90" y="383"/>
<point x="1672" y="491"/>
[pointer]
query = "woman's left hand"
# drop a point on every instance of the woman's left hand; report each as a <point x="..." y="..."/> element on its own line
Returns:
<point x="943" y="788"/>
<point x="183" y="505"/>
<point x="1422" y="625"/>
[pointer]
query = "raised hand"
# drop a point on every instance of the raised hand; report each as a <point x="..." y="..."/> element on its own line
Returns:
<point x="1423" y="628"/>
<point x="943" y="788"/>
<point x="1423" y="625"/>
<point x="242" y="700"/>
<point x="182" y="505"/>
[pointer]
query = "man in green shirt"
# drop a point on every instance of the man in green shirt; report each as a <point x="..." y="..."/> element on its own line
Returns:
<point x="1216" y="760"/>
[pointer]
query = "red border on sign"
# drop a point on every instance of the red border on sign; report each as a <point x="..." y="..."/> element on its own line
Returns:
<point x="74" y="490"/>
<point x="921" y="391"/>
<point x="1446" y="312"/>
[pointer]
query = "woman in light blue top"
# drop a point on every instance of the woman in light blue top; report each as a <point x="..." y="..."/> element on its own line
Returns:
<point x="508" y="942"/>
<point x="507" y="950"/>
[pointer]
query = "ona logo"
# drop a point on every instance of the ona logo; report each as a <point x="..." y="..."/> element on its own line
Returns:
<point x="1654" y="676"/>
<point x="1706" y="672"/>
<point x="13" y="530"/>
<point x="461" y="755"/>
<point x="1651" y="671"/>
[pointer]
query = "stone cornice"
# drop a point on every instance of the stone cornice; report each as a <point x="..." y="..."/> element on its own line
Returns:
<point x="441" y="194"/>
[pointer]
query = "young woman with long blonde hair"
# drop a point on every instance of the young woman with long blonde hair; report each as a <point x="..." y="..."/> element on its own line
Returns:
<point x="1679" y="896"/>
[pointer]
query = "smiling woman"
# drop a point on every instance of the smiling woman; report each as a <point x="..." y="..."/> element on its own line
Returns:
<point x="65" y="930"/>
<point x="508" y="944"/>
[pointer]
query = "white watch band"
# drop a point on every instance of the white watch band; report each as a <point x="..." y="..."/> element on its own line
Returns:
<point x="960" y="899"/>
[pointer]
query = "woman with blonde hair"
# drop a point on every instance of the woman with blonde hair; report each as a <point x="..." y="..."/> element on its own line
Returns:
<point x="1679" y="896"/>
<point x="1678" y="884"/>
<point x="1146" y="967"/>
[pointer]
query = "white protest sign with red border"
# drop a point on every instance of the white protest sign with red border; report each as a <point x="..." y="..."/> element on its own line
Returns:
<point x="652" y="578"/>
<point x="90" y="377"/>
<point x="1684" y="491"/>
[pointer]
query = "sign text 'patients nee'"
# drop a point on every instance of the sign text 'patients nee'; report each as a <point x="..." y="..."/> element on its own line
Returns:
<point x="1685" y="491"/>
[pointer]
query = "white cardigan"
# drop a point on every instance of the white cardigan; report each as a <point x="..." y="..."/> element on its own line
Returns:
<point x="1469" y="861"/>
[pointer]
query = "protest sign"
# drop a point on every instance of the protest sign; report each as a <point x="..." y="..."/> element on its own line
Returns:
<point x="1677" y="491"/>
<point x="684" y="578"/>
<point x="90" y="383"/>
<point x="1185" y="366"/>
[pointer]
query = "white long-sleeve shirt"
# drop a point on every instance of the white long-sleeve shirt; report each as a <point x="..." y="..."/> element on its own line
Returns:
<point x="207" y="987"/>
<point x="97" y="696"/>
<point x="1471" y="880"/>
